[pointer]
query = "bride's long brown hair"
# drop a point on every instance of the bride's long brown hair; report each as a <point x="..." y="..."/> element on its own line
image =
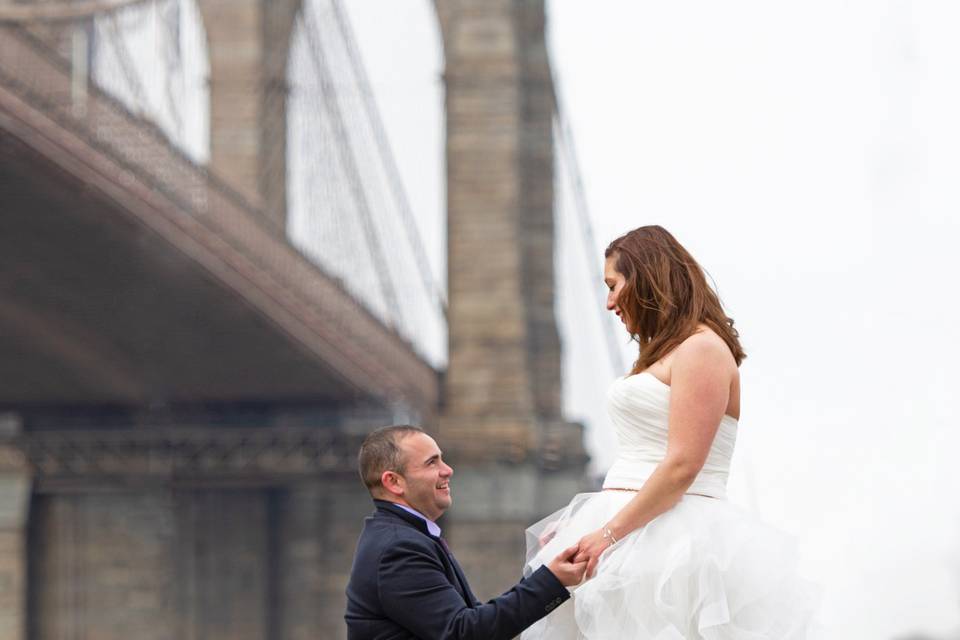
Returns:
<point x="666" y="295"/>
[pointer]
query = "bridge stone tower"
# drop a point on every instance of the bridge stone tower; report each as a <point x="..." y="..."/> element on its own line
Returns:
<point x="515" y="458"/>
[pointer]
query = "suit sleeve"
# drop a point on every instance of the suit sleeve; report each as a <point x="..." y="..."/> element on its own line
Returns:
<point x="416" y="594"/>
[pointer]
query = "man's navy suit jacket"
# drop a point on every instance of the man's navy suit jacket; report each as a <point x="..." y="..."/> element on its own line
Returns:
<point x="406" y="585"/>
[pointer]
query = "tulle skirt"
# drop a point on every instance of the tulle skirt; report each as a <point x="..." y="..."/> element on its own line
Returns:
<point x="705" y="569"/>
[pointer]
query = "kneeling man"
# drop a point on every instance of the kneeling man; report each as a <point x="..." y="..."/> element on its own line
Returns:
<point x="405" y="582"/>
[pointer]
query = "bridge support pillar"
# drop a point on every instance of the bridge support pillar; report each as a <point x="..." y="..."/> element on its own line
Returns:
<point x="248" y="44"/>
<point x="319" y="521"/>
<point x="516" y="458"/>
<point x="302" y="558"/>
<point x="15" y="490"/>
<point x="504" y="348"/>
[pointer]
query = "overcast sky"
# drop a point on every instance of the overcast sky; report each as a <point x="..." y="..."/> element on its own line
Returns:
<point x="808" y="155"/>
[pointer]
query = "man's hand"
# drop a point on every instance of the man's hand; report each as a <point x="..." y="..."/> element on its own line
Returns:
<point x="568" y="572"/>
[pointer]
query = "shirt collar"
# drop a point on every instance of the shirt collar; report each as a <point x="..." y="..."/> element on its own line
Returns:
<point x="432" y="526"/>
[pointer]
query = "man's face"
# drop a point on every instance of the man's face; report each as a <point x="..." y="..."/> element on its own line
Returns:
<point x="426" y="478"/>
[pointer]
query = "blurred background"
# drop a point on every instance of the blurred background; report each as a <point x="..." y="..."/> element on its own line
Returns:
<point x="237" y="235"/>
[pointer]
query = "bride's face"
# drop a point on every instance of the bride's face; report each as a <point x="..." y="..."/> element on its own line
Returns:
<point x="615" y="282"/>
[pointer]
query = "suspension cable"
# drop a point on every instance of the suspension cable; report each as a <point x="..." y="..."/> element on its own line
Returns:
<point x="171" y="44"/>
<point x="125" y="61"/>
<point x="386" y="156"/>
<point x="572" y="166"/>
<point x="345" y="149"/>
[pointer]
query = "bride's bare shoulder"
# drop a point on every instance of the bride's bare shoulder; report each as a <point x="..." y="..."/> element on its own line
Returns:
<point x="705" y="346"/>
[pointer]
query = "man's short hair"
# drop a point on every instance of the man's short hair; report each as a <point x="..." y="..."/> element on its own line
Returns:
<point x="381" y="452"/>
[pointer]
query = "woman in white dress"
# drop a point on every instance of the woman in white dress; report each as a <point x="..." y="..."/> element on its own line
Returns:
<point x="668" y="557"/>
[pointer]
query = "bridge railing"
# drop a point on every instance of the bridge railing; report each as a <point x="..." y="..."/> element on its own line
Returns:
<point x="67" y="458"/>
<point x="35" y="71"/>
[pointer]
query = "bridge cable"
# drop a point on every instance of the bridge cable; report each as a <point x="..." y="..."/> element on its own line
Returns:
<point x="345" y="150"/>
<point x="125" y="61"/>
<point x="387" y="158"/>
<point x="170" y="28"/>
<point x="572" y="168"/>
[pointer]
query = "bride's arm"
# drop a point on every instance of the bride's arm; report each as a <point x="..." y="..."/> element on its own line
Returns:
<point x="700" y="377"/>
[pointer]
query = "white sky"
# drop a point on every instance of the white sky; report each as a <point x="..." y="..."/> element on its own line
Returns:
<point x="808" y="154"/>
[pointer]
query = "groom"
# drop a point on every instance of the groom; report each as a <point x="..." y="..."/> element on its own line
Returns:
<point x="405" y="582"/>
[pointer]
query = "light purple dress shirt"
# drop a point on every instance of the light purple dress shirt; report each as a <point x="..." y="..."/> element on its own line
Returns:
<point x="432" y="526"/>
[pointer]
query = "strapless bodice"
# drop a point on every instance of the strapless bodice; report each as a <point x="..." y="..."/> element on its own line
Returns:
<point x="639" y="406"/>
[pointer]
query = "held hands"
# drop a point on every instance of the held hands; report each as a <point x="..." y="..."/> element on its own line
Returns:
<point x="592" y="547"/>
<point x="566" y="568"/>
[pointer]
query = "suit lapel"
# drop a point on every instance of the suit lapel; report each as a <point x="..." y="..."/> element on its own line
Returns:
<point x="452" y="567"/>
<point x="461" y="583"/>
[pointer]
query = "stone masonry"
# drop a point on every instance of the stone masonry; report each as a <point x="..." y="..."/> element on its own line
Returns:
<point x="161" y="562"/>
<point x="15" y="485"/>
<point x="504" y="347"/>
<point x="515" y="458"/>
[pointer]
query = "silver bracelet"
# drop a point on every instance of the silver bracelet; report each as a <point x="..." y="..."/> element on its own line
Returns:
<point x="609" y="534"/>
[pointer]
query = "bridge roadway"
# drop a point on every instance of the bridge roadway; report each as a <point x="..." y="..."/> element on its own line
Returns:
<point x="130" y="276"/>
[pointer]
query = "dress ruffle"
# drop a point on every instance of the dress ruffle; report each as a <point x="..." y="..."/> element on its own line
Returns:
<point x="705" y="569"/>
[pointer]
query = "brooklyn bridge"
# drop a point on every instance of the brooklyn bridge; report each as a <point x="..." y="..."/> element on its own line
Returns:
<point x="212" y="287"/>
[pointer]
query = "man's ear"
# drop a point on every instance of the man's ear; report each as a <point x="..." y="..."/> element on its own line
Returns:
<point x="393" y="483"/>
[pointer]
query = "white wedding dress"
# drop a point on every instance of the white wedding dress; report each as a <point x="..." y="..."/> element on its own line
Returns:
<point x="705" y="569"/>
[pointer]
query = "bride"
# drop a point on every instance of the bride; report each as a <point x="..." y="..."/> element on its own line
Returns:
<point x="668" y="556"/>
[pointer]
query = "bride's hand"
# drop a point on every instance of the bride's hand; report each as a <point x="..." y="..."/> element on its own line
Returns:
<point x="592" y="547"/>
